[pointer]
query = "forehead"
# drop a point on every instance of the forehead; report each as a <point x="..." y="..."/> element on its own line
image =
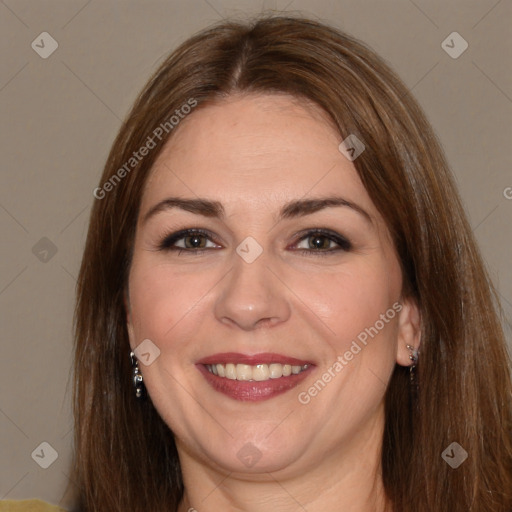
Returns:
<point x="259" y="150"/>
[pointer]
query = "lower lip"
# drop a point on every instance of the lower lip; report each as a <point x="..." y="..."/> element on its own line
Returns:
<point x="252" y="391"/>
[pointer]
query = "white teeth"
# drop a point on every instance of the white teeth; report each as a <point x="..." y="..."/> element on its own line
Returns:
<point x="243" y="372"/>
<point x="258" y="372"/>
<point x="231" y="371"/>
<point x="275" y="370"/>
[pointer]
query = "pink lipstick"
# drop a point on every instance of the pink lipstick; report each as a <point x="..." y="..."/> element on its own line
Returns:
<point x="253" y="377"/>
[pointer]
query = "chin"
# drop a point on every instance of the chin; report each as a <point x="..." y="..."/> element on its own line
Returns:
<point x="247" y="455"/>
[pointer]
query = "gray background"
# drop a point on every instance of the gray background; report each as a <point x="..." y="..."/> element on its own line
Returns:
<point x="59" y="118"/>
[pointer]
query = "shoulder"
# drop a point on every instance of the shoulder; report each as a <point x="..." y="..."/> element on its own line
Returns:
<point x="28" y="506"/>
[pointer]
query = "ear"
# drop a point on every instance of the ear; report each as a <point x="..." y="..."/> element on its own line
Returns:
<point x="409" y="330"/>
<point x="129" y="324"/>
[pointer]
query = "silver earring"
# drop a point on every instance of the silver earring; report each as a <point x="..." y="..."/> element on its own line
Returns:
<point x="138" y="381"/>
<point x="413" y="356"/>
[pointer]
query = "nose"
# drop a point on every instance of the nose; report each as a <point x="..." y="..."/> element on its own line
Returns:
<point x="251" y="295"/>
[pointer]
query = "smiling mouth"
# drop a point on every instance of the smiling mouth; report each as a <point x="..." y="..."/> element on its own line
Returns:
<point x="255" y="373"/>
<point x="256" y="377"/>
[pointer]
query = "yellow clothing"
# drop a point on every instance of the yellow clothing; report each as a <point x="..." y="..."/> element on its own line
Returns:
<point x="28" y="506"/>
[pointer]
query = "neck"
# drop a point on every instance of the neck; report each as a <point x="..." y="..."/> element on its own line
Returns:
<point x="348" y="479"/>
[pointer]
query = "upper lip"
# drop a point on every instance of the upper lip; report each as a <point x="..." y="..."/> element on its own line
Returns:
<point x="263" y="358"/>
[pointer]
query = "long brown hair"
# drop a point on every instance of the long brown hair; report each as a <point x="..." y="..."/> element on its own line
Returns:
<point x="126" y="457"/>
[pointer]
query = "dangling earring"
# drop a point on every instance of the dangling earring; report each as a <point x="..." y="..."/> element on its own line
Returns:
<point x="413" y="356"/>
<point x="138" y="381"/>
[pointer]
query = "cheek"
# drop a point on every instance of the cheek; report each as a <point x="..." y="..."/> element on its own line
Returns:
<point x="161" y="298"/>
<point x="352" y="300"/>
<point x="360" y="308"/>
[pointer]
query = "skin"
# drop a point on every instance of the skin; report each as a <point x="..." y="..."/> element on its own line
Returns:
<point x="254" y="153"/>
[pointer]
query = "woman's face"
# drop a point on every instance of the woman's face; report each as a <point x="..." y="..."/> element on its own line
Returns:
<point x="296" y="301"/>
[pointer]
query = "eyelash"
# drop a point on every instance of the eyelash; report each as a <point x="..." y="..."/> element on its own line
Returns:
<point x="167" y="243"/>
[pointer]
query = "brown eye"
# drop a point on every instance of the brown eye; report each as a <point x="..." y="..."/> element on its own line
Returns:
<point x="194" y="241"/>
<point x="190" y="240"/>
<point x="320" y="241"/>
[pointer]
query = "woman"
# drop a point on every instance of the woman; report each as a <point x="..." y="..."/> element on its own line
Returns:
<point x="281" y="303"/>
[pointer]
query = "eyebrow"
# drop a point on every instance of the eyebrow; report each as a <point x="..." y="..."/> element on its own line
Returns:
<point x="292" y="209"/>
